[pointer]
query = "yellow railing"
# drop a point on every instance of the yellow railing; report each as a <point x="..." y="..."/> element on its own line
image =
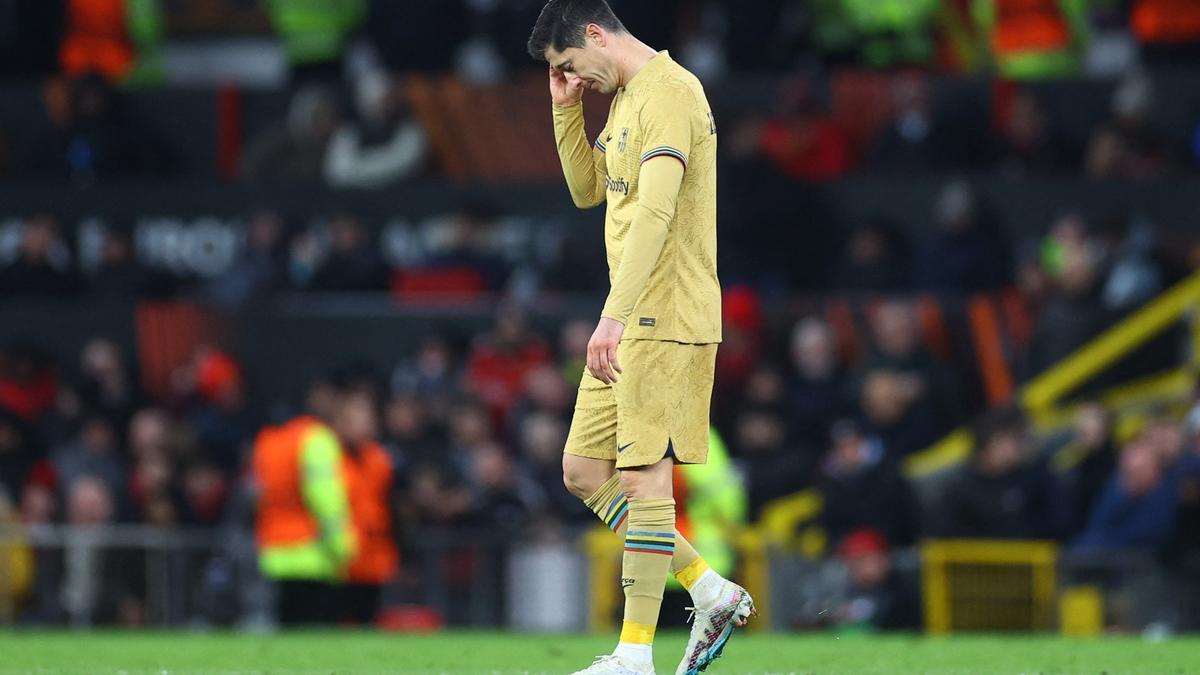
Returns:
<point x="792" y="523"/>
<point x="988" y="585"/>
<point x="1043" y="397"/>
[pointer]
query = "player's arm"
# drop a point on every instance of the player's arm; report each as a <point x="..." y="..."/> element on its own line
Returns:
<point x="583" y="165"/>
<point x="667" y="129"/>
<point x="658" y="195"/>
<point x="324" y="491"/>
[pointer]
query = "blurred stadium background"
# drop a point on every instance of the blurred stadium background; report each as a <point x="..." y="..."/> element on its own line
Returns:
<point x="960" y="247"/>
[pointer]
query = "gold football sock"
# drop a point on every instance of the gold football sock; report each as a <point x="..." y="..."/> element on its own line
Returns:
<point x="649" y="546"/>
<point x="612" y="507"/>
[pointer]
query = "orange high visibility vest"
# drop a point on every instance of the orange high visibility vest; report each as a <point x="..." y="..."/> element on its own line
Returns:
<point x="97" y="39"/>
<point x="1166" y="21"/>
<point x="283" y="517"/>
<point x="369" y="478"/>
<point x="1029" y="26"/>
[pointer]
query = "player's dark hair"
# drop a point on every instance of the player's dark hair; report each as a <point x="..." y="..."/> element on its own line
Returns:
<point x="563" y="24"/>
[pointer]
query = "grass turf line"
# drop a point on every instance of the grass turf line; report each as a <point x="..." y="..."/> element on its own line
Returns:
<point x="350" y="653"/>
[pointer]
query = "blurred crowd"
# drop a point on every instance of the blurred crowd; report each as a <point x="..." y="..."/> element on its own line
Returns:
<point x="485" y="38"/>
<point x="1080" y="272"/>
<point x="350" y="125"/>
<point x="474" y="430"/>
<point x="474" y="434"/>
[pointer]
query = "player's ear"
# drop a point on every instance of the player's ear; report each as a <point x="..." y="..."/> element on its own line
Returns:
<point x="596" y="35"/>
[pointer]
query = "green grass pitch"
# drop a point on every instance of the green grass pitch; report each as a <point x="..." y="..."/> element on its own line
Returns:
<point x="347" y="653"/>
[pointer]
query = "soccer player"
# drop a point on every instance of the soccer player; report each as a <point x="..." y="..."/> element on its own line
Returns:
<point x="643" y="403"/>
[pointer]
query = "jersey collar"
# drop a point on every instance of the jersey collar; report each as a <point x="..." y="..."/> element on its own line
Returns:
<point x="660" y="61"/>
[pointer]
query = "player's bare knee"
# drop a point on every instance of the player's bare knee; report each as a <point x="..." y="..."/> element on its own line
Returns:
<point x="636" y="484"/>
<point x="647" y="482"/>
<point x="578" y="480"/>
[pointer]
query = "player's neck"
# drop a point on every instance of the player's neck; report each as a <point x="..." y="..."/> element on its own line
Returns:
<point x="632" y="57"/>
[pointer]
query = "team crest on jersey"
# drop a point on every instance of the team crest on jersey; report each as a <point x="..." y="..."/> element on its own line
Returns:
<point x="621" y="144"/>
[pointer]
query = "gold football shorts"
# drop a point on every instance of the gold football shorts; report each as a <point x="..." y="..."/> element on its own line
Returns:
<point x="660" y="402"/>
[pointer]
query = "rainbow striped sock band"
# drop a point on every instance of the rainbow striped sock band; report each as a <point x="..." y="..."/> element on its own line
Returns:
<point x="662" y="543"/>
<point x="617" y="512"/>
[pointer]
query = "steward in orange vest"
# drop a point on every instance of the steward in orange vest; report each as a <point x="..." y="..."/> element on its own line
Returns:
<point x="370" y="479"/>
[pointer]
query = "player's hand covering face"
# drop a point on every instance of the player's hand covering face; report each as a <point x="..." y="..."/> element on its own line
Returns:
<point x="565" y="90"/>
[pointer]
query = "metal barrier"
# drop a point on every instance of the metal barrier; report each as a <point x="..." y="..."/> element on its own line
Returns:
<point x="146" y="576"/>
<point x="139" y="575"/>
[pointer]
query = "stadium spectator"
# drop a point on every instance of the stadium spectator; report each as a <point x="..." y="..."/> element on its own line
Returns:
<point x="371" y="489"/>
<point x="742" y="346"/>
<point x="17" y="454"/>
<point x="315" y="35"/>
<point x="465" y="244"/>
<point x="304" y="525"/>
<point x="1133" y="275"/>
<point x="772" y="468"/>
<point x="409" y="431"/>
<point x="966" y="254"/>
<point x="1127" y="146"/>
<point x="544" y="391"/>
<point x="438" y="496"/>
<point x="917" y="138"/>
<point x="504" y="493"/>
<point x="43" y="266"/>
<point x="119" y="39"/>
<point x="118" y="275"/>
<point x="384" y="145"/>
<point x="217" y="412"/>
<point x="1185" y="541"/>
<point x="800" y="140"/>
<point x="892" y="409"/>
<point x="499" y="360"/>
<point x="92" y="138"/>
<point x="293" y="150"/>
<point x="861" y="487"/>
<point x="1084" y="462"/>
<point x="542" y="437"/>
<point x="820" y="386"/>
<point x="893" y="32"/>
<point x="1137" y="507"/>
<point x="432" y="374"/>
<point x="259" y="271"/>
<point x="1003" y="492"/>
<point x="572" y="348"/>
<point x="877" y="258"/>
<point x="1027" y="143"/>
<point x="352" y="262"/>
<point x="29" y="387"/>
<point x="898" y="345"/>
<point x="106" y="385"/>
<point x="155" y="490"/>
<point x="875" y="595"/>
<point x="92" y="454"/>
<point x="149" y="433"/>
<point x="92" y="577"/>
<point x="1071" y="313"/>
<point x="1033" y="39"/>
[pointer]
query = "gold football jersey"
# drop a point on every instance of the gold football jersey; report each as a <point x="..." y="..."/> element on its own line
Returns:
<point x="661" y="113"/>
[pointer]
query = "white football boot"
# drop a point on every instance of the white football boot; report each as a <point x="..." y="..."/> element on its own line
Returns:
<point x="712" y="626"/>
<point x="611" y="664"/>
